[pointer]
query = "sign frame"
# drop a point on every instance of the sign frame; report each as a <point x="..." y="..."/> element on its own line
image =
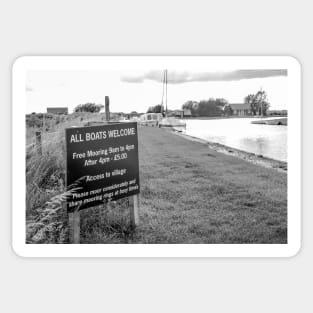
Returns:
<point x="114" y="156"/>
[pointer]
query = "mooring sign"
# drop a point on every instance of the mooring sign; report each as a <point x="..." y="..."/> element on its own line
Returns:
<point x="102" y="161"/>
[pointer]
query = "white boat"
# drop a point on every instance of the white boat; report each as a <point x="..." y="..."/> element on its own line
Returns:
<point x="173" y="122"/>
<point x="150" y="119"/>
<point x="124" y="120"/>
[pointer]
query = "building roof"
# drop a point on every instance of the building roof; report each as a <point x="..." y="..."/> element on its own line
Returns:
<point x="240" y="106"/>
<point x="57" y="109"/>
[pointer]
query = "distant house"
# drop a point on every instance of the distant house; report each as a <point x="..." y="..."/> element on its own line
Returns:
<point x="57" y="110"/>
<point x="240" y="109"/>
<point x="187" y="113"/>
<point x="179" y="113"/>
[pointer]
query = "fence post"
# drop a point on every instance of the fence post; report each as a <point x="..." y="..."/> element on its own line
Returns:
<point x="134" y="211"/>
<point x="38" y="143"/>
<point x="107" y="108"/>
<point x="74" y="227"/>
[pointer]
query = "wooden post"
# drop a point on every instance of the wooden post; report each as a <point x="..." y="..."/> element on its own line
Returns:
<point x="107" y="205"/>
<point x="107" y="108"/>
<point x="73" y="217"/>
<point x="134" y="211"/>
<point x="74" y="227"/>
<point x="38" y="143"/>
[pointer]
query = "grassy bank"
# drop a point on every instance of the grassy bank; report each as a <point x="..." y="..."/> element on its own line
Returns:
<point x="189" y="194"/>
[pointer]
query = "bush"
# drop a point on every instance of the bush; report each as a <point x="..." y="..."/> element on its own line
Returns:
<point x="89" y="107"/>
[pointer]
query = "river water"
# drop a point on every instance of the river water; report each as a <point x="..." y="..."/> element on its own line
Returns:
<point x="239" y="133"/>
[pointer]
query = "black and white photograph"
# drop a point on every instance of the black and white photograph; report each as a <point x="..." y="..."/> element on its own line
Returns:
<point x="152" y="155"/>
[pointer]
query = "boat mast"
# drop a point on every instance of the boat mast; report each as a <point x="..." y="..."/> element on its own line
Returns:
<point x="261" y="103"/>
<point x="165" y="73"/>
<point x="164" y="88"/>
<point x="162" y="100"/>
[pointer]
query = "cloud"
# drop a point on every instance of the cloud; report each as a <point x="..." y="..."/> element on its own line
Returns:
<point x="186" y="77"/>
<point x="133" y="79"/>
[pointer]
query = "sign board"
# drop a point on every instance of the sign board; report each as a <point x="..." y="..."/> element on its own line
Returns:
<point x="103" y="162"/>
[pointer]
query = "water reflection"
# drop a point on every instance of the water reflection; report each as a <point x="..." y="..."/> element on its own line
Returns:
<point x="260" y="144"/>
<point x="266" y="140"/>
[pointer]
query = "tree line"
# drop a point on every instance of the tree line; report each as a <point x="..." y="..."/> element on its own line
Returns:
<point x="257" y="103"/>
<point x="211" y="107"/>
<point x="89" y="107"/>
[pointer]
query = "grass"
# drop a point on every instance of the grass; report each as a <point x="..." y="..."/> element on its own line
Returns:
<point x="189" y="194"/>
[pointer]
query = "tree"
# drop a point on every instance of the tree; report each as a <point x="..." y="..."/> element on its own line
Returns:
<point x="228" y="111"/>
<point x="209" y="108"/>
<point x="89" y="107"/>
<point x="258" y="103"/>
<point x="250" y="99"/>
<point x="262" y="102"/>
<point x="221" y="102"/>
<point x="155" y="109"/>
<point x="192" y="106"/>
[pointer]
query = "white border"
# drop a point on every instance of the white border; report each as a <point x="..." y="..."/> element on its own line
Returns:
<point x="26" y="63"/>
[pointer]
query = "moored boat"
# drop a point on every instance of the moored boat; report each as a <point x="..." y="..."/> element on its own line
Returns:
<point x="173" y="122"/>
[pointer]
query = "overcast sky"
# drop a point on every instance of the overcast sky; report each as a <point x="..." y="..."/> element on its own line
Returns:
<point x="137" y="90"/>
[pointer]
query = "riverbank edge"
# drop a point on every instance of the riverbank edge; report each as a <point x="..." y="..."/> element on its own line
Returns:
<point x="277" y="121"/>
<point x="261" y="160"/>
<point x="204" y="118"/>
